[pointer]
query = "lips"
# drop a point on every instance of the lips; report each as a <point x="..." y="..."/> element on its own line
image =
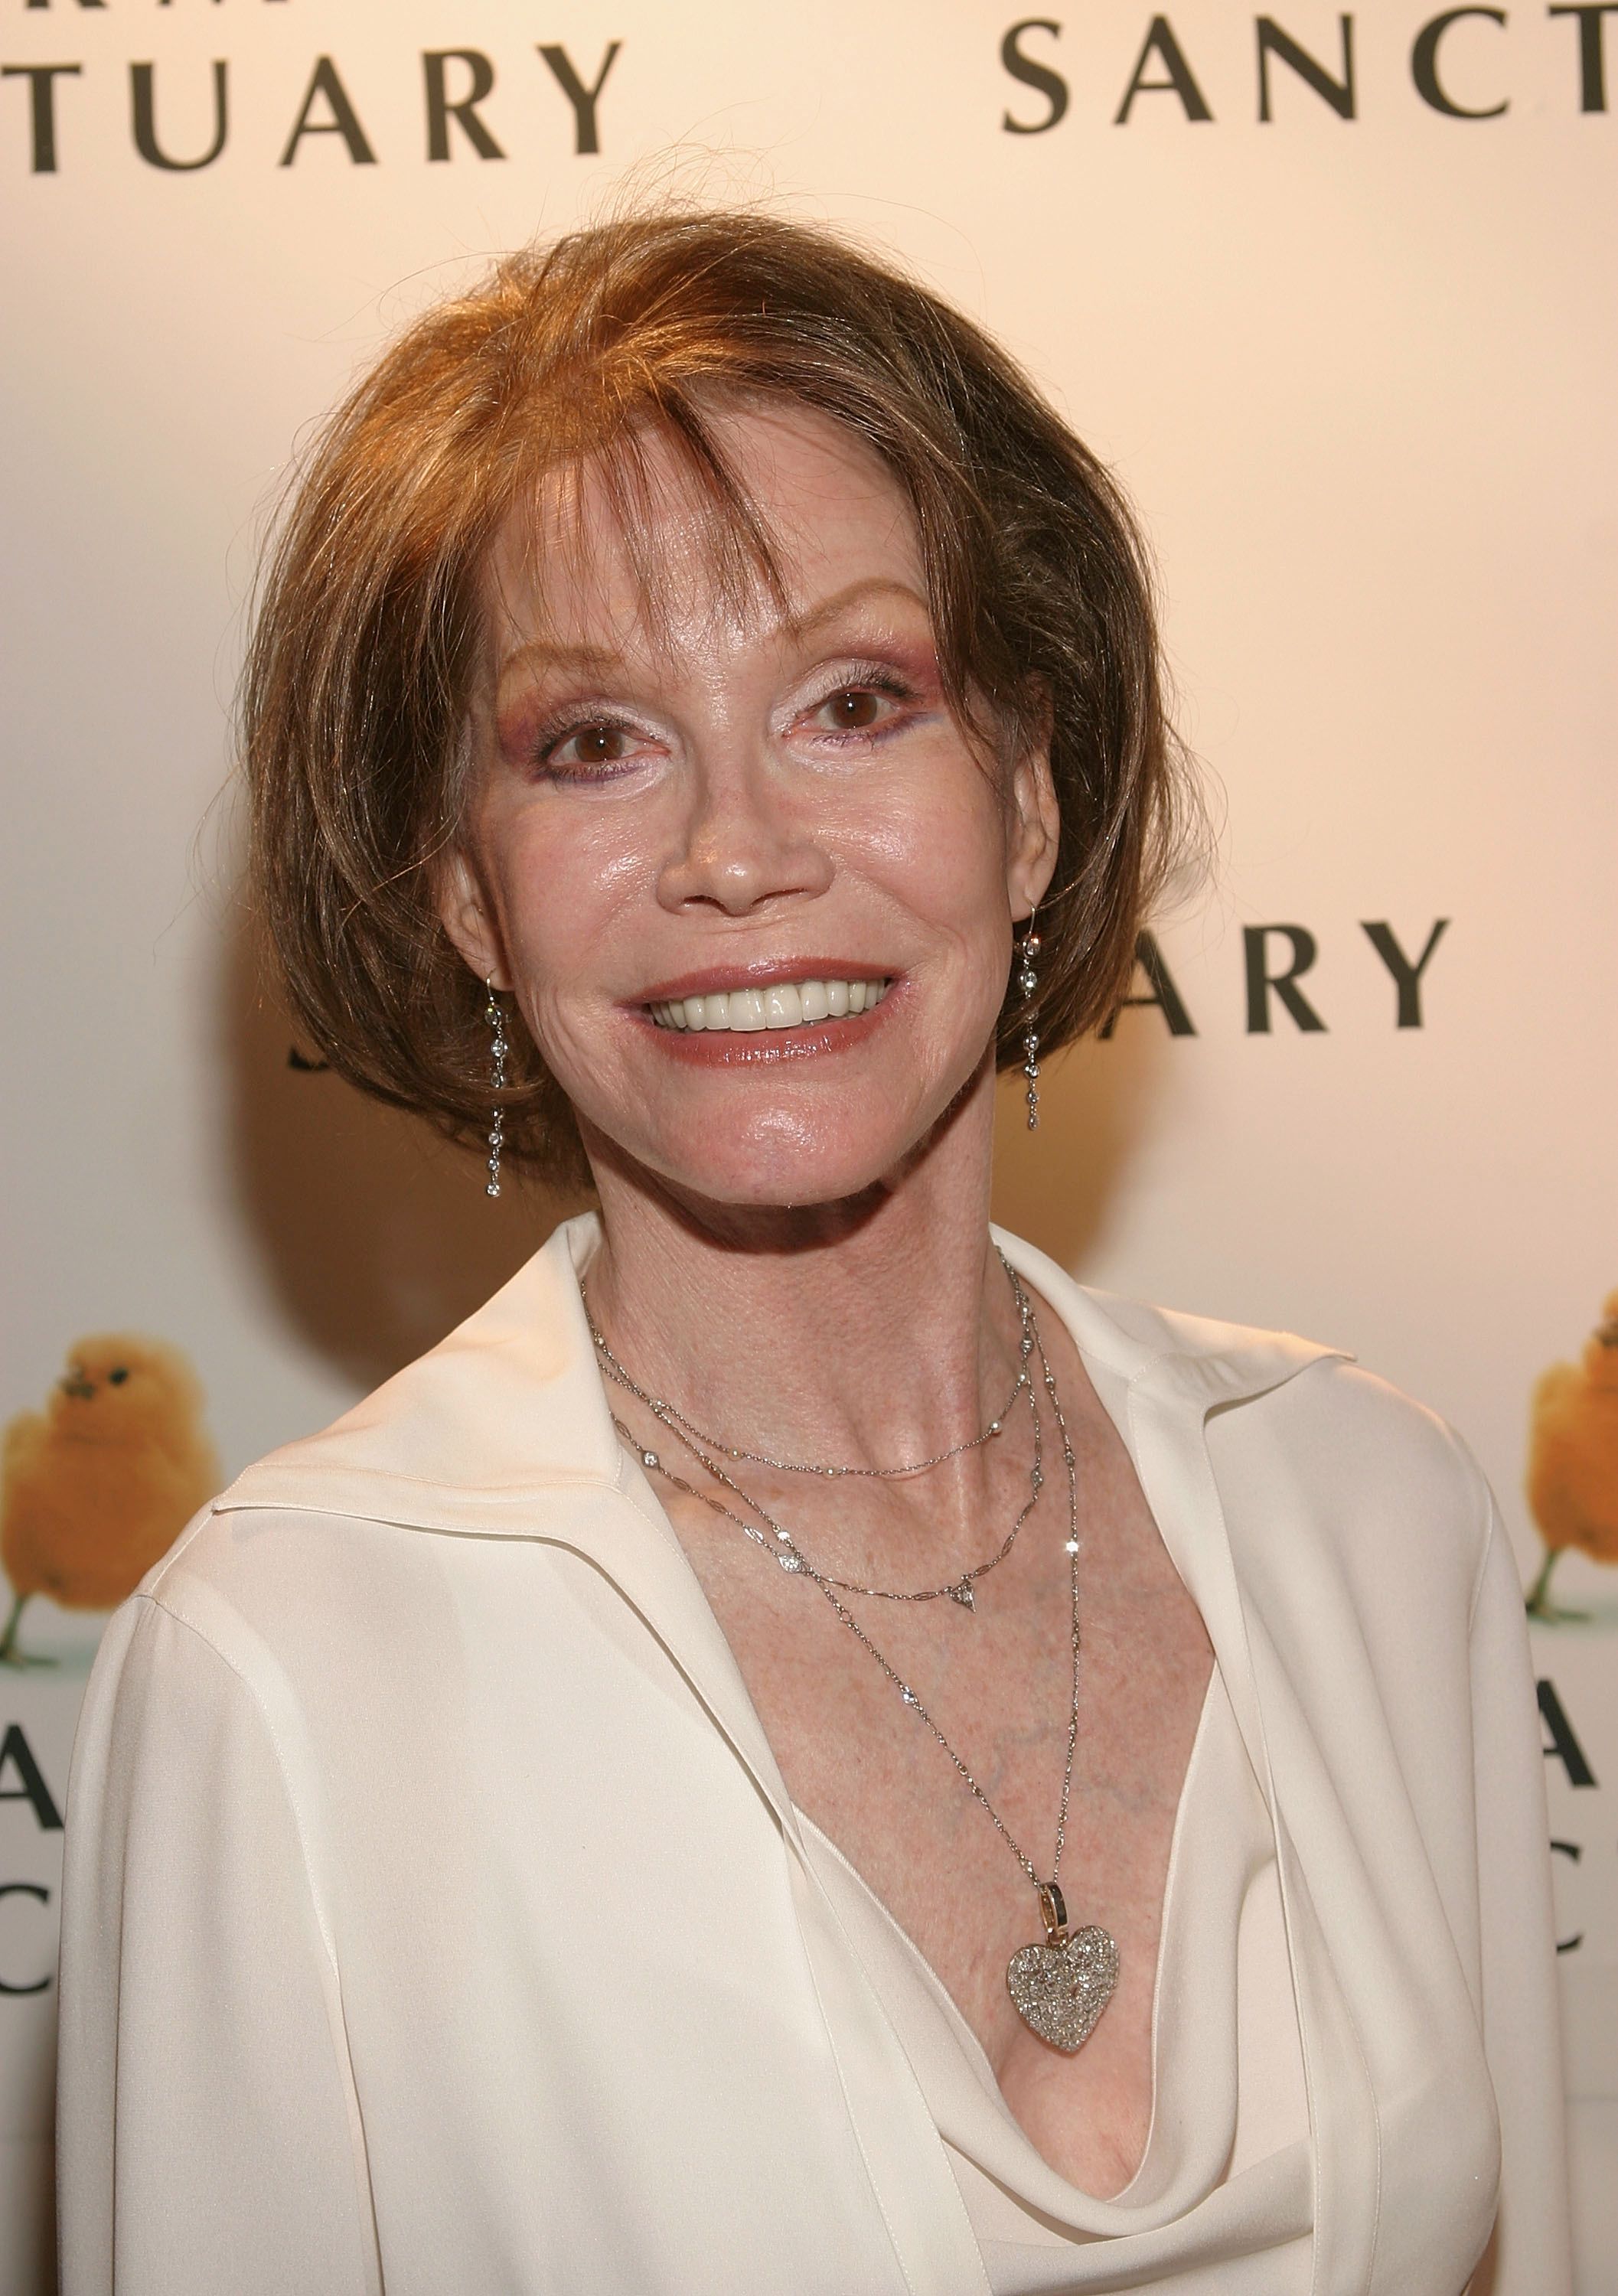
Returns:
<point x="753" y="1008"/>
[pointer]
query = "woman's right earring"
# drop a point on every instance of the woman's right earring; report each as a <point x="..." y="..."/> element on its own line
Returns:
<point x="1028" y="981"/>
<point x="495" y="1018"/>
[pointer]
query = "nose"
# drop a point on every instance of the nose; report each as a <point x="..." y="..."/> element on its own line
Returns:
<point x="744" y="842"/>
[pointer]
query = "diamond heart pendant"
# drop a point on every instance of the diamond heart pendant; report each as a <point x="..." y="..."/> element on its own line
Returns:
<point x="1059" y="1989"/>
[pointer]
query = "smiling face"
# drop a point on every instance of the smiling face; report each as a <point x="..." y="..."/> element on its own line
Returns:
<point x="752" y="884"/>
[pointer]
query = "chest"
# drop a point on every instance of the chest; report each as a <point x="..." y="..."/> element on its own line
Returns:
<point x="938" y="1804"/>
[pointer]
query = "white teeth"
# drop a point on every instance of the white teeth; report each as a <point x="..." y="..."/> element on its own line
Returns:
<point x="783" y="1005"/>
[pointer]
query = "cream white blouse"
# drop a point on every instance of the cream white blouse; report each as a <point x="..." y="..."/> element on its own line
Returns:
<point x="1227" y="2162"/>
<point x="435" y="1916"/>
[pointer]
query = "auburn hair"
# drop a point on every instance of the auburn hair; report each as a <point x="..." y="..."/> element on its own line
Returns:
<point x="355" y="702"/>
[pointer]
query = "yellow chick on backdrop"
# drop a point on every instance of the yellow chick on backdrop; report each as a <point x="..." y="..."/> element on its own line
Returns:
<point x="94" y="1489"/>
<point x="1573" y="1458"/>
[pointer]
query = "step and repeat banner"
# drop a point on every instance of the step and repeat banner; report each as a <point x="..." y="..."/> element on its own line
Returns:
<point x="1331" y="291"/>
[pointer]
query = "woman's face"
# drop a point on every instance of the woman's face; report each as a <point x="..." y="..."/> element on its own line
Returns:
<point x="692" y="850"/>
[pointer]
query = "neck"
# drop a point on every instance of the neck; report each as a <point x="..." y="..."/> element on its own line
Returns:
<point x="863" y="1332"/>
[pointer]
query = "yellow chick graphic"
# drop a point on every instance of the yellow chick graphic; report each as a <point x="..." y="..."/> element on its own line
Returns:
<point x="1573" y="1458"/>
<point x="95" y="1487"/>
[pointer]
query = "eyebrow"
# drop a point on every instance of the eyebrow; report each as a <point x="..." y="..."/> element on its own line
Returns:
<point x="875" y="585"/>
<point x="538" y="655"/>
<point x="535" y="652"/>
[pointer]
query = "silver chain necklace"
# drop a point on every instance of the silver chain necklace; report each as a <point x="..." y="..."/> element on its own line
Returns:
<point x="1061" y="1987"/>
<point x="786" y="1550"/>
<point x="661" y="1408"/>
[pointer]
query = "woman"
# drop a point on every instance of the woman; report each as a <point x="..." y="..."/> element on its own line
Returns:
<point x="798" y="1749"/>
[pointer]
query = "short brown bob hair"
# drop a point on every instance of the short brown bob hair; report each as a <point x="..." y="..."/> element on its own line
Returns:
<point x="355" y="695"/>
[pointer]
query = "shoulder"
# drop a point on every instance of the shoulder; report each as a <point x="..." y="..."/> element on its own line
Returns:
<point x="1315" y="1456"/>
<point x="506" y="1406"/>
<point x="1338" y="1475"/>
<point x="1308" y="1399"/>
<point x="251" y="1599"/>
<point x="316" y="1552"/>
<point x="1320" y="1418"/>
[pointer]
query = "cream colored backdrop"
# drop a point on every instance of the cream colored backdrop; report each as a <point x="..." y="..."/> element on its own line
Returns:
<point x="1349" y="338"/>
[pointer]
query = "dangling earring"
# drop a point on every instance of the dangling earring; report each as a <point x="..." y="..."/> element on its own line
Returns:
<point x="1028" y="981"/>
<point x="495" y="1018"/>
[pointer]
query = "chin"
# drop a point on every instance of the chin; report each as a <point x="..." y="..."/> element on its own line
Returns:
<point x="779" y="1173"/>
<point x="779" y="1159"/>
<point x="785" y="1144"/>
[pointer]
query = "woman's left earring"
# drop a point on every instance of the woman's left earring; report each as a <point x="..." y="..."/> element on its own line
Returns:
<point x="495" y="1018"/>
<point x="1028" y="981"/>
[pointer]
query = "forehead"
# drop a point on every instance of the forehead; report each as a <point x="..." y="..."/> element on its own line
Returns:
<point x="650" y="547"/>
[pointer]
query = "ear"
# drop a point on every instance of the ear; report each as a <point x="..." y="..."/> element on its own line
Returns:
<point x="1034" y="826"/>
<point x="467" y="916"/>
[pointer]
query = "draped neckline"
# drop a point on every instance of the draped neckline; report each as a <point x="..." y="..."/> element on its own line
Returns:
<point x="1227" y="2140"/>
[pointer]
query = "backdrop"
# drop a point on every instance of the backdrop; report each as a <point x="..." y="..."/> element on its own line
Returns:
<point x="1332" y="292"/>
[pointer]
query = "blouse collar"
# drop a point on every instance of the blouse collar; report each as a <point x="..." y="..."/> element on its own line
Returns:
<point x="511" y="1405"/>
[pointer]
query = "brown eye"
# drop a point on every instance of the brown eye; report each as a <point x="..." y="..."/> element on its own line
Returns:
<point x="591" y="749"/>
<point x="853" y="710"/>
<point x="116" y="1378"/>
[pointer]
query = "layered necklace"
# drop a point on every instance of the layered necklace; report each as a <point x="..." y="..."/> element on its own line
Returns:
<point x="1061" y="1987"/>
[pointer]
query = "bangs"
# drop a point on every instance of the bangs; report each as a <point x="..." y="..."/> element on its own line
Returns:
<point x="653" y="488"/>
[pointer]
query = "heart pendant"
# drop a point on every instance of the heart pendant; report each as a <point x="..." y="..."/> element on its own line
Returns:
<point x="1060" y="1991"/>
